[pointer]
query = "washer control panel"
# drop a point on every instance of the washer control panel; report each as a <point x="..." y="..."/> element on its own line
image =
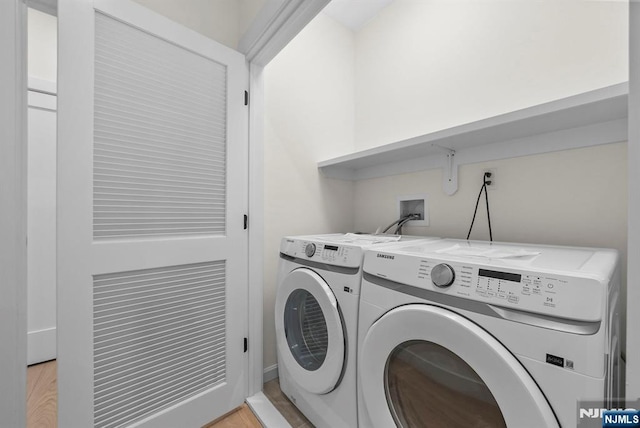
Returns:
<point x="554" y="294"/>
<point x="541" y="291"/>
<point x="327" y="253"/>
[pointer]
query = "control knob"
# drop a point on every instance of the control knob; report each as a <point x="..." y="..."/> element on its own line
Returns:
<point x="310" y="249"/>
<point x="442" y="275"/>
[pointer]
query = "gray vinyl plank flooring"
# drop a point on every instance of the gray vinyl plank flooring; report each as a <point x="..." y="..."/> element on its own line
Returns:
<point x="285" y="406"/>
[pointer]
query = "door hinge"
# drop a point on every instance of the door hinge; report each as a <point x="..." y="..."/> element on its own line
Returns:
<point x="246" y="344"/>
<point x="246" y="222"/>
<point x="246" y="98"/>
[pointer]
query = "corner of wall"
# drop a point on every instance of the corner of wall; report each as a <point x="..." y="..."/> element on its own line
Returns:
<point x="309" y="117"/>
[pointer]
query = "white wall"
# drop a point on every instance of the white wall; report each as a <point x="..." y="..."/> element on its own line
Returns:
<point x="422" y="66"/>
<point x="42" y="45"/>
<point x="221" y="20"/>
<point x="309" y="109"/>
<point x="41" y="190"/>
<point x="573" y="197"/>
<point x="41" y="233"/>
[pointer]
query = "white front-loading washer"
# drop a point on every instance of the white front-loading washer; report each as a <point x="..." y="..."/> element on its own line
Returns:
<point x="475" y="334"/>
<point x="316" y="319"/>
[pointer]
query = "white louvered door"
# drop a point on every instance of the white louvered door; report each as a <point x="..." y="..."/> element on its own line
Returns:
<point x="152" y="191"/>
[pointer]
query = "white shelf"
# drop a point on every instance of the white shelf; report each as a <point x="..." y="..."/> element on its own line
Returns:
<point x="588" y="119"/>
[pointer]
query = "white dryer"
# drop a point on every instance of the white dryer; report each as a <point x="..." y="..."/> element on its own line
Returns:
<point x="475" y="334"/>
<point x="316" y="318"/>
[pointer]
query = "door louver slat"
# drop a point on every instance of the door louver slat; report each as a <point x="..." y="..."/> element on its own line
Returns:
<point x="159" y="338"/>
<point x="159" y="137"/>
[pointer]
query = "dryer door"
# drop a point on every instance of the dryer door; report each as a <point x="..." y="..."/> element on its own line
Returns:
<point x="310" y="332"/>
<point x="423" y="365"/>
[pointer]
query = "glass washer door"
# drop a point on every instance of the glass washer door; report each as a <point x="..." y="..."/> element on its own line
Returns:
<point x="423" y="366"/>
<point x="306" y="329"/>
<point x="309" y="331"/>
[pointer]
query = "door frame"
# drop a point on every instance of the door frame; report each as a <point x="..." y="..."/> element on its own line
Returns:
<point x="13" y="212"/>
<point x="275" y="26"/>
<point x="256" y="231"/>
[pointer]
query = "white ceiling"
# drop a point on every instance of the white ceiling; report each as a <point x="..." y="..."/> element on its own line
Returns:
<point x="354" y="14"/>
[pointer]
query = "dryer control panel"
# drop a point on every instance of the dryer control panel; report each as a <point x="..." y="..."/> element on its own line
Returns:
<point x="553" y="294"/>
<point x="321" y="252"/>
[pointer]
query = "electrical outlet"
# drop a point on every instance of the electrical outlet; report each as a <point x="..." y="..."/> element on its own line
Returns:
<point x="492" y="179"/>
<point x="414" y="204"/>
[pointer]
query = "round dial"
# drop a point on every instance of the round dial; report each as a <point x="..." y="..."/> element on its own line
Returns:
<point x="442" y="275"/>
<point x="310" y="250"/>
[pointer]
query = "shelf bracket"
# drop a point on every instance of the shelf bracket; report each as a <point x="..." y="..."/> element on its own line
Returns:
<point x="450" y="173"/>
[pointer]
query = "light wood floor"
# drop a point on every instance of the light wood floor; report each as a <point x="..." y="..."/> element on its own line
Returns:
<point x="242" y="417"/>
<point x="42" y="402"/>
<point x="42" y="395"/>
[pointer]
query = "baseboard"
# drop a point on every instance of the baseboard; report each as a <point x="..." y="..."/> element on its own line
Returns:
<point x="41" y="345"/>
<point x="270" y="373"/>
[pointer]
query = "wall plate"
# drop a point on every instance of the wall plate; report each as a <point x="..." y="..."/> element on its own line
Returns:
<point x="410" y="204"/>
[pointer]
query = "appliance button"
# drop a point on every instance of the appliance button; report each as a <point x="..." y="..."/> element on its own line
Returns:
<point x="310" y="249"/>
<point x="442" y="275"/>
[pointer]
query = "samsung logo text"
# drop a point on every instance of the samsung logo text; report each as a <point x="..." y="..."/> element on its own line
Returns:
<point x="385" y="256"/>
